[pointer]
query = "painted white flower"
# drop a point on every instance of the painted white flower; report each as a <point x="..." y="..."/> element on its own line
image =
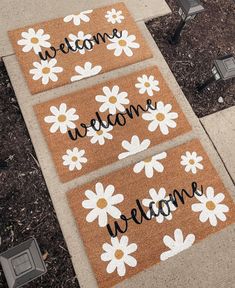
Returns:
<point x="45" y="70"/>
<point x="124" y="44"/>
<point x="34" y="40"/>
<point x="112" y="100"/>
<point x="118" y="255"/>
<point x="114" y="16"/>
<point x="81" y="36"/>
<point x="150" y="164"/>
<point x="166" y="208"/>
<point x="62" y="118"/>
<point x="147" y="85"/>
<point x="86" y="71"/>
<point x="102" y="203"/>
<point x="176" y="244"/>
<point x="74" y="159"/>
<point x="161" y="117"/>
<point x="210" y="207"/>
<point x="191" y="161"/>
<point x="77" y="18"/>
<point x="101" y="135"/>
<point x="133" y="147"/>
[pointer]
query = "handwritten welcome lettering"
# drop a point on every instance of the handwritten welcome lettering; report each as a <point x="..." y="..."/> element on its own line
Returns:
<point x="113" y="120"/>
<point x="87" y="44"/>
<point x="173" y="198"/>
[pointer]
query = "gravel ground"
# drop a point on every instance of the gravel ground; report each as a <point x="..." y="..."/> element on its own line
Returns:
<point x="25" y="205"/>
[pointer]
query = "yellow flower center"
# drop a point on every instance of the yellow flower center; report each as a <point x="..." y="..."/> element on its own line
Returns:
<point x="74" y="158"/>
<point x="191" y="161"/>
<point x="112" y="99"/>
<point x="46" y="70"/>
<point x="122" y="42"/>
<point x="163" y="204"/>
<point x="160" y="117"/>
<point x="119" y="254"/>
<point x="34" y="40"/>
<point x="100" y="132"/>
<point x="210" y="205"/>
<point x="61" y="118"/>
<point x="147" y="84"/>
<point x="114" y="16"/>
<point x="101" y="203"/>
<point x="147" y="160"/>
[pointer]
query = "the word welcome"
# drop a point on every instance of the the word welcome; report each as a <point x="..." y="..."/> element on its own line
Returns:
<point x="87" y="44"/>
<point x="113" y="120"/>
<point x="122" y="228"/>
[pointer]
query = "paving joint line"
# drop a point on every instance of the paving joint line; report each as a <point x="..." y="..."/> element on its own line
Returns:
<point x="208" y="135"/>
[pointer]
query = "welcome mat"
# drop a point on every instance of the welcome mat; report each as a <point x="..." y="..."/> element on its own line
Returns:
<point x="138" y="221"/>
<point x="97" y="126"/>
<point x="80" y="45"/>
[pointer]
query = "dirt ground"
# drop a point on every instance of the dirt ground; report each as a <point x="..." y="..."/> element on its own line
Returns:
<point x="25" y="205"/>
<point x="209" y="36"/>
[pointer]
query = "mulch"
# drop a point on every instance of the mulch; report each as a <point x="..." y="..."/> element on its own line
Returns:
<point x="25" y="205"/>
<point x="209" y="36"/>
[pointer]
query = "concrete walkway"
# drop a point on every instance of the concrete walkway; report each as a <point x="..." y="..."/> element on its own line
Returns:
<point x="220" y="127"/>
<point x="163" y="274"/>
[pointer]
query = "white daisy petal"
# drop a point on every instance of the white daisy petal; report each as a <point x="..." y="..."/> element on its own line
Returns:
<point x="124" y="44"/>
<point x="119" y="255"/>
<point x="102" y="202"/>
<point x="72" y="158"/>
<point x="191" y="161"/>
<point x="176" y="244"/>
<point x="210" y="207"/>
<point x="134" y="146"/>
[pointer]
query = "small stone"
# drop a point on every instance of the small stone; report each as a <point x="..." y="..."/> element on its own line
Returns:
<point x="221" y="100"/>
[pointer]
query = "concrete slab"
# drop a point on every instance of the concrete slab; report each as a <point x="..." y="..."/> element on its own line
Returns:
<point x="18" y="13"/>
<point x="221" y="130"/>
<point x="164" y="274"/>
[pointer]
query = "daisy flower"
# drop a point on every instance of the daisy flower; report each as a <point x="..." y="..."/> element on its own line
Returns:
<point x="210" y="207"/>
<point x="147" y="85"/>
<point x="34" y="40"/>
<point x="156" y="197"/>
<point x="46" y="70"/>
<point x="77" y="18"/>
<point x="118" y="255"/>
<point x="86" y="71"/>
<point x="74" y="159"/>
<point x="102" y="203"/>
<point x="114" y="16"/>
<point x="101" y="135"/>
<point x="112" y="100"/>
<point x="150" y="164"/>
<point x="191" y="161"/>
<point x="133" y="147"/>
<point x="161" y="117"/>
<point x="62" y="118"/>
<point x="176" y="244"/>
<point x="123" y="44"/>
<point x="81" y="36"/>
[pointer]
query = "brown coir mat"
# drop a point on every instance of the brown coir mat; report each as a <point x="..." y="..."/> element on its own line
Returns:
<point x="80" y="45"/>
<point x="114" y="210"/>
<point x="137" y="111"/>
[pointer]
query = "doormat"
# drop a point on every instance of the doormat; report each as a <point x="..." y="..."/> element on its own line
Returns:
<point x="138" y="221"/>
<point x="94" y="127"/>
<point x="80" y="45"/>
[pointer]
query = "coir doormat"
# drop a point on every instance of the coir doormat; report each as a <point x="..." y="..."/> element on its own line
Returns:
<point x="80" y="45"/>
<point x="138" y="221"/>
<point x="91" y="128"/>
